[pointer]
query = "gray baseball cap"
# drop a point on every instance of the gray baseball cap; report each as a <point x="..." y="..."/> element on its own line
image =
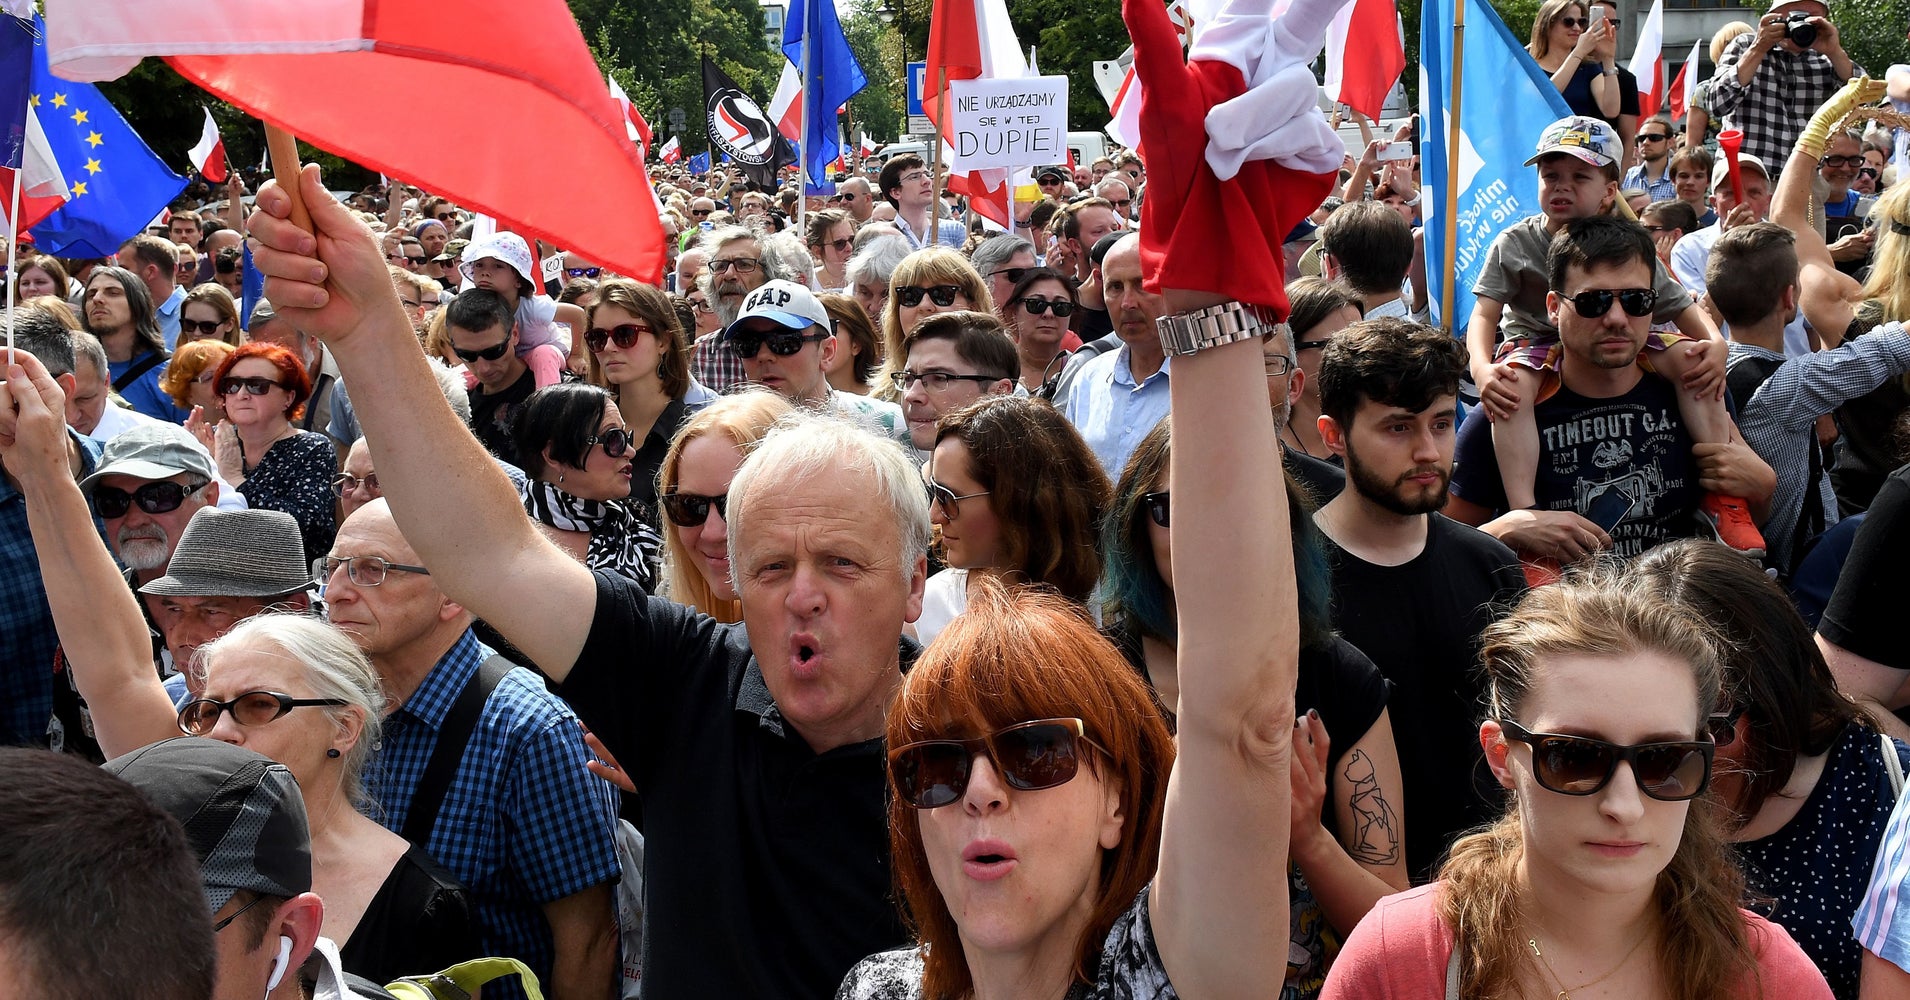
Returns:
<point x="236" y="553"/>
<point x="152" y="451"/>
<point x="242" y="812"/>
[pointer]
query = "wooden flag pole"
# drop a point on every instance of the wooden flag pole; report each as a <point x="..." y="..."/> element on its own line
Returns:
<point x="285" y="169"/>
<point x="1448" y="293"/>
<point x="934" y="237"/>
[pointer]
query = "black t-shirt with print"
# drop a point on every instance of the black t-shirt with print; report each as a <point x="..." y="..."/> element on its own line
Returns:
<point x="493" y="413"/>
<point x="1623" y="463"/>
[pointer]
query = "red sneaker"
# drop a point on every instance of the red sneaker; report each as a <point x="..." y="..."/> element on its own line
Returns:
<point x="1735" y="525"/>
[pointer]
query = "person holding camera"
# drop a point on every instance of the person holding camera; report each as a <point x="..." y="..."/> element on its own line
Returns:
<point x="1770" y="80"/>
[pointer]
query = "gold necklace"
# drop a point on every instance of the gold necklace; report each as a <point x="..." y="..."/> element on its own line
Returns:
<point x="1563" y="992"/>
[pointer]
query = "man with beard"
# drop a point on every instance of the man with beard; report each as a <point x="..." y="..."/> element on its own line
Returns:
<point x="1412" y="588"/>
<point x="738" y="261"/>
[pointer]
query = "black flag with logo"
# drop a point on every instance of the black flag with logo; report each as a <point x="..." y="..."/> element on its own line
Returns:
<point x="740" y="130"/>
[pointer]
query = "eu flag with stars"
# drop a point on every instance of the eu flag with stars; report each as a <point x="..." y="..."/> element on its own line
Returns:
<point x="116" y="183"/>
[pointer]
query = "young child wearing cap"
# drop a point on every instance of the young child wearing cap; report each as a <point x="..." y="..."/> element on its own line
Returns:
<point x="1578" y="172"/>
<point x="512" y="273"/>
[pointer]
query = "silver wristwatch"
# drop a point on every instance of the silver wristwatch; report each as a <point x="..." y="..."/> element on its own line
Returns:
<point x="1191" y="332"/>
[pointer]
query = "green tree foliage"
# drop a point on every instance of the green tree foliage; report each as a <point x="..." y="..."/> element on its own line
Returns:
<point x="878" y="109"/>
<point x="1872" y="32"/>
<point x="655" y="50"/>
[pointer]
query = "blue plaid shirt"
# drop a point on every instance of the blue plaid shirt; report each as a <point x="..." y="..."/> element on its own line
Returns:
<point x="523" y="823"/>
<point x="27" y="638"/>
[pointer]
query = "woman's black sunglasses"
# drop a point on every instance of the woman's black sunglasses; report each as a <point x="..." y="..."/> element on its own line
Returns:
<point x="1579" y="765"/>
<point x="162" y="497"/>
<point x="1029" y="756"/>
<point x="690" y="510"/>
<point x="1156" y="504"/>
<point x="616" y="442"/>
<point x="1036" y="305"/>
<point x="942" y="295"/>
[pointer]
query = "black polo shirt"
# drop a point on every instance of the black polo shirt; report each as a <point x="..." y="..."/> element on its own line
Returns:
<point x="766" y="865"/>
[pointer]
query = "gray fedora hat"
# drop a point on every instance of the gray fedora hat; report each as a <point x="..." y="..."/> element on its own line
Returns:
<point x="236" y="553"/>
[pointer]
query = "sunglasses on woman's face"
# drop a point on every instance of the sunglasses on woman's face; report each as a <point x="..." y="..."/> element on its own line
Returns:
<point x="200" y="327"/>
<point x="1036" y="305"/>
<point x="1029" y="756"/>
<point x="942" y="295"/>
<point x="690" y="510"/>
<point x="253" y="708"/>
<point x="1575" y="22"/>
<point x="1157" y="506"/>
<point x="1580" y="765"/>
<point x="162" y="497"/>
<point x="252" y="385"/>
<point x="624" y="335"/>
<point x="616" y="441"/>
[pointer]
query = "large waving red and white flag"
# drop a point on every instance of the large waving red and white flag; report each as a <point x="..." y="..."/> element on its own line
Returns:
<point x="265" y="58"/>
<point x="1684" y="89"/>
<point x="633" y="121"/>
<point x="208" y="154"/>
<point x="42" y="186"/>
<point x="972" y="40"/>
<point x="1648" y="62"/>
<point x="1365" y="53"/>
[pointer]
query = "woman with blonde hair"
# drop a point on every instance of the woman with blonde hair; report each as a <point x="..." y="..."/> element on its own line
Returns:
<point x="1566" y="45"/>
<point x="1608" y="876"/>
<point x="209" y="313"/>
<point x="930" y="280"/>
<point x="189" y="379"/>
<point x="693" y="489"/>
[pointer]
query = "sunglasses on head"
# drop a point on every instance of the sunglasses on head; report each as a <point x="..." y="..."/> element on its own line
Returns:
<point x="162" y="497"/>
<point x="491" y="353"/>
<point x="690" y="510"/>
<point x="782" y="343"/>
<point x="624" y="335"/>
<point x="1580" y="765"/>
<point x="1157" y="506"/>
<point x="1597" y="302"/>
<point x="1030" y="756"/>
<point x="616" y="442"/>
<point x="1036" y="305"/>
<point x="252" y="385"/>
<point x="201" y="327"/>
<point x="253" y="708"/>
<point x="942" y="295"/>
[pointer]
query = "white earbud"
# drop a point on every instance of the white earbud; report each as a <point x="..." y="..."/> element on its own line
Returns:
<point x="280" y="964"/>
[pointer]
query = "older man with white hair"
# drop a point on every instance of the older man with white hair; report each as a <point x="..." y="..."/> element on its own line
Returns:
<point x="757" y="748"/>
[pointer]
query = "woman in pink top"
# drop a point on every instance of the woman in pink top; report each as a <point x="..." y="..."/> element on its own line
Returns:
<point x="1607" y="877"/>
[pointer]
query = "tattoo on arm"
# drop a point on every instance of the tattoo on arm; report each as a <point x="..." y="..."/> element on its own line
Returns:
<point x="1375" y="834"/>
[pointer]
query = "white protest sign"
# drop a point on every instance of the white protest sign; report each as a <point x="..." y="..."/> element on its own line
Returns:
<point x="1009" y="123"/>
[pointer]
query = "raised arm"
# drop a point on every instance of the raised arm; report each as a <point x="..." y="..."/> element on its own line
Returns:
<point x="101" y="631"/>
<point x="453" y="504"/>
<point x="1220" y="895"/>
<point x="1827" y="296"/>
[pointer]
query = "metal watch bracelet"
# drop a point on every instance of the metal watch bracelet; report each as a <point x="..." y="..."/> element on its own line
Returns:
<point x="1212" y="326"/>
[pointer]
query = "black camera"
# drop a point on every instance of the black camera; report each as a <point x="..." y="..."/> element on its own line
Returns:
<point x="1799" y="30"/>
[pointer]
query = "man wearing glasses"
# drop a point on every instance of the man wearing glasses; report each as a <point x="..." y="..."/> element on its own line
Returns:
<point x="953" y="360"/>
<point x="857" y="198"/>
<point x="1116" y="193"/>
<point x="785" y="341"/>
<point x="737" y="265"/>
<point x="1653" y="172"/>
<point x="1844" y="208"/>
<point x="907" y="186"/>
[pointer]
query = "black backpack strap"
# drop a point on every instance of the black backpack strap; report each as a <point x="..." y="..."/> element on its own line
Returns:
<point x="146" y="364"/>
<point x="319" y="386"/>
<point x="453" y="734"/>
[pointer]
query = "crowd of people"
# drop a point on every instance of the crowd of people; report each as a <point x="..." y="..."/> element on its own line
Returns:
<point x="887" y="606"/>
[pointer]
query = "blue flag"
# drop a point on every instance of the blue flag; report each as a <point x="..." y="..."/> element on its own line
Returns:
<point x="251" y="286"/>
<point x="16" y="65"/>
<point x="1506" y="102"/>
<point x="115" y="182"/>
<point x="831" y="78"/>
<point x="700" y="163"/>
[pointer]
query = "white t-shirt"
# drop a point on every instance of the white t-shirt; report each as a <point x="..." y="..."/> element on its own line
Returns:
<point x="943" y="597"/>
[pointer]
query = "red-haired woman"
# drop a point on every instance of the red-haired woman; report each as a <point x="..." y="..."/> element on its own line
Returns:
<point x="274" y="465"/>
